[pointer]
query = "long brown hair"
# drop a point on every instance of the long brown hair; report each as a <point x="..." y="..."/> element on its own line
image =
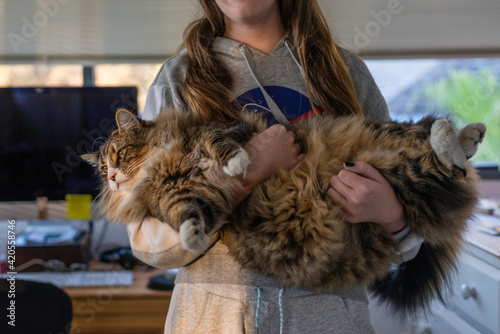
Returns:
<point x="208" y="82"/>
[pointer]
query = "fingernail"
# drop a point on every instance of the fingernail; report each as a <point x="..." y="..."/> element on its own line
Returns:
<point x="349" y="164"/>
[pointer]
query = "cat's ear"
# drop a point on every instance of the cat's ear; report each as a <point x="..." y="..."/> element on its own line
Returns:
<point x="91" y="158"/>
<point x="127" y="121"/>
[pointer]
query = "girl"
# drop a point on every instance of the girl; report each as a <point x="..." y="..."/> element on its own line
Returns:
<point x="276" y="57"/>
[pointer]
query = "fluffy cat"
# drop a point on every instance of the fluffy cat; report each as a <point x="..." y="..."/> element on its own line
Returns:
<point x="181" y="171"/>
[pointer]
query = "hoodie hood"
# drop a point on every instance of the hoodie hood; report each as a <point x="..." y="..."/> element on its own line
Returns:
<point x="271" y="84"/>
<point x="251" y="56"/>
<point x="231" y="48"/>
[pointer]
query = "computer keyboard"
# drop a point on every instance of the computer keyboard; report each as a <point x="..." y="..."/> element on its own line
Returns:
<point x="79" y="278"/>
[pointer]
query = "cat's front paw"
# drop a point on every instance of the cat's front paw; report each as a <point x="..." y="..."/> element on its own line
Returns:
<point x="238" y="164"/>
<point x="445" y="144"/>
<point x="470" y="137"/>
<point x="192" y="235"/>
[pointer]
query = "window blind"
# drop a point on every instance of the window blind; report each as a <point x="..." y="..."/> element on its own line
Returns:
<point x="151" y="30"/>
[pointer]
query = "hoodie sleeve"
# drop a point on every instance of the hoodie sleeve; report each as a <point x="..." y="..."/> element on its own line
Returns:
<point x="159" y="245"/>
<point x="371" y="100"/>
<point x="409" y="244"/>
<point x="166" y="91"/>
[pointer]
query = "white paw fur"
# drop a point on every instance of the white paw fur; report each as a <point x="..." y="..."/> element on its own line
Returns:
<point x="192" y="235"/>
<point x="444" y="142"/>
<point x="470" y="137"/>
<point x="238" y="164"/>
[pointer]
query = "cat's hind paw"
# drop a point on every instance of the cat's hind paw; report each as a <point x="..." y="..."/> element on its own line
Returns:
<point x="192" y="235"/>
<point x="445" y="143"/>
<point x="238" y="164"/>
<point x="470" y="137"/>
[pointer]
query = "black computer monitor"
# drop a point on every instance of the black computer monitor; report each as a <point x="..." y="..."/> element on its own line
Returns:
<point x="43" y="131"/>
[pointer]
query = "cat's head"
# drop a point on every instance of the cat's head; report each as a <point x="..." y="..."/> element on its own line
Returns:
<point x="121" y="159"/>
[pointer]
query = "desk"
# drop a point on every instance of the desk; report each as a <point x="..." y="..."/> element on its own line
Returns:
<point x="121" y="309"/>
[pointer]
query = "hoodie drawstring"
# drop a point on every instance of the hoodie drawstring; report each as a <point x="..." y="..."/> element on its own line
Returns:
<point x="280" y="305"/>
<point x="274" y="109"/>
<point x="259" y="291"/>
<point x="282" y="314"/>
<point x="289" y="48"/>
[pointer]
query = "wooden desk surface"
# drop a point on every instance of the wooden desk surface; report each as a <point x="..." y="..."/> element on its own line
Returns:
<point x="120" y="309"/>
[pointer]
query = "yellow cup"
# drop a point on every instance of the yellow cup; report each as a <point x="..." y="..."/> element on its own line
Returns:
<point x="79" y="206"/>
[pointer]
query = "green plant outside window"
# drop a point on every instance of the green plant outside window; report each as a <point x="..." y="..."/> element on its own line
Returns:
<point x="471" y="96"/>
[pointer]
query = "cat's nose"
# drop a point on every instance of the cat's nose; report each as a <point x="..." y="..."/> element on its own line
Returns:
<point x="112" y="177"/>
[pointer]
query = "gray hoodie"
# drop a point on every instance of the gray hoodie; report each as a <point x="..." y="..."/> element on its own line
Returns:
<point x="213" y="294"/>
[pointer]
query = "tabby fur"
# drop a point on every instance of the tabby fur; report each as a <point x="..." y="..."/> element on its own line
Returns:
<point x="182" y="171"/>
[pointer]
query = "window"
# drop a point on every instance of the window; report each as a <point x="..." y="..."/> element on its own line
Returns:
<point x="41" y="75"/>
<point x="468" y="90"/>
<point x="138" y="75"/>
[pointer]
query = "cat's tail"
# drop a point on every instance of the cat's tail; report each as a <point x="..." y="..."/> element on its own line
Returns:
<point x="412" y="285"/>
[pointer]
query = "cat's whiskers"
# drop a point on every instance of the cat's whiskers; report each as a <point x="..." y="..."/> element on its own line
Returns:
<point x="140" y="161"/>
<point x="100" y="141"/>
<point x="103" y="194"/>
<point x="101" y="200"/>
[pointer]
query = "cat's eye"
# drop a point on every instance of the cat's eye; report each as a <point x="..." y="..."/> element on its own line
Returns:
<point x="104" y="169"/>
<point x="121" y="153"/>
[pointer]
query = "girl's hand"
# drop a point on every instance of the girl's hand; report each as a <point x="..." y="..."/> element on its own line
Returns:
<point x="271" y="150"/>
<point x="366" y="196"/>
